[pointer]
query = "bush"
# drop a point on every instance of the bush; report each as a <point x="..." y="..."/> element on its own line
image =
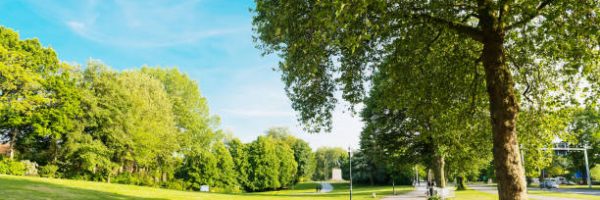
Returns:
<point x="48" y="171"/>
<point x="10" y="167"/>
<point x="16" y="168"/>
<point x="175" y="184"/>
<point x="30" y="168"/>
<point x="3" y="167"/>
<point x="595" y="172"/>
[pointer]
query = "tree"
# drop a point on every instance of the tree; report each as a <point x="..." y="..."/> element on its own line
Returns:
<point x="506" y="36"/>
<point x="239" y="154"/>
<point x="264" y="165"/>
<point x="25" y="66"/>
<point x="288" y="167"/>
<point x="305" y="159"/>
<point x="53" y="122"/>
<point x="585" y="130"/>
<point x="226" y="177"/>
<point x="302" y="153"/>
<point x="190" y="108"/>
<point x="327" y="158"/>
<point x="199" y="169"/>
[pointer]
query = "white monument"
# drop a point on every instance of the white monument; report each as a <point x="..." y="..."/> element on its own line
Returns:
<point x="204" y="188"/>
<point x="336" y="174"/>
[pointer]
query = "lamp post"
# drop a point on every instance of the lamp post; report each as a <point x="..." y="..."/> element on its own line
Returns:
<point x="387" y="153"/>
<point x="587" y="166"/>
<point x="350" y="157"/>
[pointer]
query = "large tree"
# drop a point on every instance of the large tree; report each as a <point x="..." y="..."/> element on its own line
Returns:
<point x="328" y="43"/>
<point x="25" y="69"/>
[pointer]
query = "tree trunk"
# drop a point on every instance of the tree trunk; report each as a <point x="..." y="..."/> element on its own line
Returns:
<point x="13" y="140"/>
<point x="503" y="110"/>
<point x="460" y="183"/>
<point x="438" y="171"/>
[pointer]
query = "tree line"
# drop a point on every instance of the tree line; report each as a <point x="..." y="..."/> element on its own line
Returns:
<point x="147" y="126"/>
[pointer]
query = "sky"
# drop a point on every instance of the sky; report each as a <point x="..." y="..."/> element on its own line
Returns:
<point x="210" y="40"/>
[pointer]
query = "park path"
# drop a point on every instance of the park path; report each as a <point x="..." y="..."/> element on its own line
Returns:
<point x="326" y="187"/>
<point x="418" y="194"/>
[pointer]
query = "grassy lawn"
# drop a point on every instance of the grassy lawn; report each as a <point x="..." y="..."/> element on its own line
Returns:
<point x="18" y="187"/>
<point x="594" y="187"/>
<point x="565" y="195"/>
<point x="473" y="195"/>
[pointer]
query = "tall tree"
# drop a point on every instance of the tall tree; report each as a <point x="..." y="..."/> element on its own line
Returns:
<point x="302" y="153"/>
<point x="506" y="35"/>
<point x="239" y="154"/>
<point x="264" y="165"/>
<point x="327" y="158"/>
<point x="190" y="108"/>
<point x="24" y="68"/>
<point x="227" y="176"/>
<point x="305" y="159"/>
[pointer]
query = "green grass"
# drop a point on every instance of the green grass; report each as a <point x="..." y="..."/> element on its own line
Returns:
<point x="594" y="187"/>
<point x="473" y="195"/>
<point x="19" y="187"/>
<point x="479" y="195"/>
<point x="565" y="195"/>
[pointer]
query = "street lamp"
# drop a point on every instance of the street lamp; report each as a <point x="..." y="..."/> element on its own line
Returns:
<point x="350" y="157"/>
<point x="387" y="153"/>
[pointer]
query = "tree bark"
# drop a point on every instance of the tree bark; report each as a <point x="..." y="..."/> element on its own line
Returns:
<point x="503" y="110"/>
<point x="13" y="140"/>
<point x="438" y="172"/>
<point x="460" y="183"/>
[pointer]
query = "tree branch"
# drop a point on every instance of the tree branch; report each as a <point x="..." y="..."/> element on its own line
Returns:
<point x="472" y="32"/>
<point x="527" y="19"/>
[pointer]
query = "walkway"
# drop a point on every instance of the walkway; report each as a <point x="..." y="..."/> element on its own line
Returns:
<point x="418" y="194"/>
<point x="326" y="187"/>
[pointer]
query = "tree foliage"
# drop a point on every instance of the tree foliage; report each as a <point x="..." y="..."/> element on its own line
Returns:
<point x="516" y="45"/>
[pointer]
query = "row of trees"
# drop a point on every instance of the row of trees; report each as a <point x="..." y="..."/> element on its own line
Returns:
<point x="149" y="126"/>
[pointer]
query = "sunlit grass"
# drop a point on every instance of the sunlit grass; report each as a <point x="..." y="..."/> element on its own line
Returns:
<point x="565" y="195"/>
<point x="473" y="195"/>
<point x="18" y="187"/>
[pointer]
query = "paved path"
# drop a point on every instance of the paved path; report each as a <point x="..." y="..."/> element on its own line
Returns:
<point x="326" y="187"/>
<point x="418" y="194"/>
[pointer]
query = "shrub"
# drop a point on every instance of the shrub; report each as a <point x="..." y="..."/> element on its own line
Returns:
<point x="175" y="184"/>
<point x="48" y="171"/>
<point x="16" y="168"/>
<point x="31" y="168"/>
<point x="3" y="166"/>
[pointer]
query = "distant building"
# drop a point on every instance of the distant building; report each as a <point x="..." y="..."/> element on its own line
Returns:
<point x="336" y="174"/>
<point x="5" y="149"/>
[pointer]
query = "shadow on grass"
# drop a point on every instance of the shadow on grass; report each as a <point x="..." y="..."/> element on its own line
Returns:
<point x="26" y="189"/>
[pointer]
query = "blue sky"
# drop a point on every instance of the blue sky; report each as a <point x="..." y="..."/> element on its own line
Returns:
<point x="211" y="40"/>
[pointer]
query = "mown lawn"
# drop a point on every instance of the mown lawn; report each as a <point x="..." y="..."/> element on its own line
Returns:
<point x="565" y="195"/>
<point x="534" y="195"/>
<point x="18" y="187"/>
<point x="473" y="195"/>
